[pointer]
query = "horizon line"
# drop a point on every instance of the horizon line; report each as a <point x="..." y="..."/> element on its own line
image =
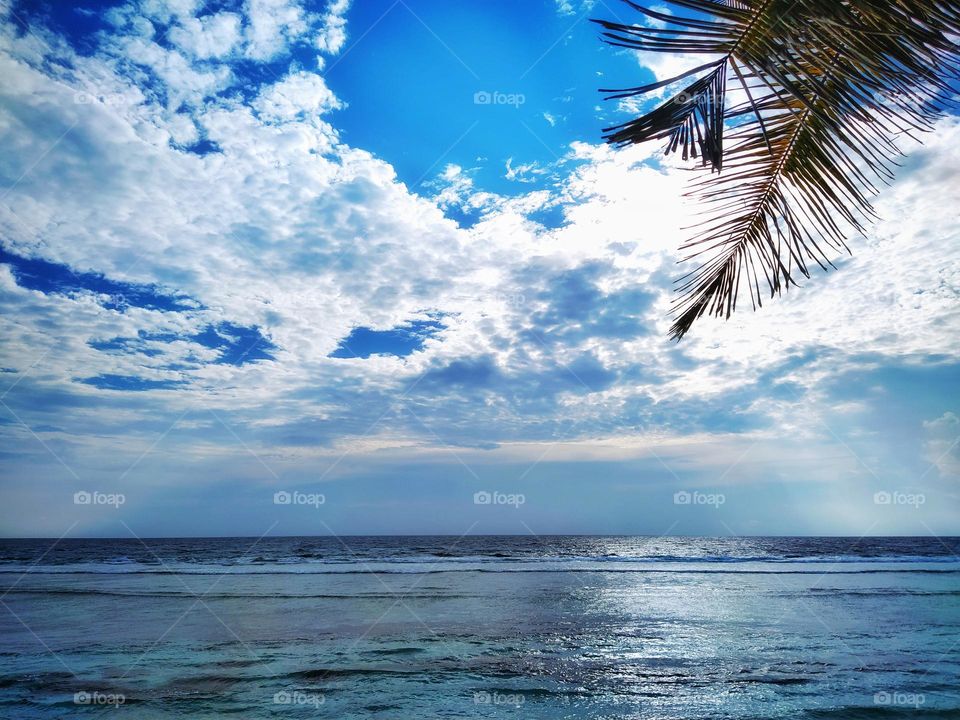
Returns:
<point x="478" y="535"/>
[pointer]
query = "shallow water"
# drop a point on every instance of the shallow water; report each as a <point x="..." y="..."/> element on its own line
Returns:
<point x="553" y="627"/>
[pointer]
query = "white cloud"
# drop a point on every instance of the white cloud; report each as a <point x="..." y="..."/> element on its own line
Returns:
<point x="167" y="10"/>
<point x="183" y="131"/>
<point x="574" y="7"/>
<point x="300" y="94"/>
<point x="211" y="36"/>
<point x="523" y="172"/>
<point x="184" y="82"/>
<point x="272" y="25"/>
<point x="333" y="32"/>
<point x="941" y="446"/>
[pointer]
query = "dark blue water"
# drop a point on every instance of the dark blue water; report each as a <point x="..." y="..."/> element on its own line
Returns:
<point x="532" y="627"/>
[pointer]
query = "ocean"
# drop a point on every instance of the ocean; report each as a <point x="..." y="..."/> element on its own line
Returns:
<point x="478" y="627"/>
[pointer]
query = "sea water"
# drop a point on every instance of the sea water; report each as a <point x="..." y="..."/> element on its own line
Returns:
<point x="447" y="627"/>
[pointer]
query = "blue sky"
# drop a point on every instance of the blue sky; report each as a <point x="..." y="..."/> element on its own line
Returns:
<point x="378" y="252"/>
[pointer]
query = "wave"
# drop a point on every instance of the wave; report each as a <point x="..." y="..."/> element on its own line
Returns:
<point x="231" y="595"/>
<point x="883" y="712"/>
<point x="499" y="565"/>
<point x="448" y="557"/>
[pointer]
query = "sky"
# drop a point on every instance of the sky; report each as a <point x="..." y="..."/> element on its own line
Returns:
<point x="294" y="267"/>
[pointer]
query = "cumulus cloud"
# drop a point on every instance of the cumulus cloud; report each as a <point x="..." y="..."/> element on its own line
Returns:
<point x="182" y="81"/>
<point x="297" y="95"/>
<point x="211" y="36"/>
<point x="333" y="32"/>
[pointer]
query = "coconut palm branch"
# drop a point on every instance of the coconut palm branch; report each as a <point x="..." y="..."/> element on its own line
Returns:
<point x="828" y="88"/>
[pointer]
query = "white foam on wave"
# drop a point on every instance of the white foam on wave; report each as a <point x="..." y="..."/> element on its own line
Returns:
<point x="498" y="565"/>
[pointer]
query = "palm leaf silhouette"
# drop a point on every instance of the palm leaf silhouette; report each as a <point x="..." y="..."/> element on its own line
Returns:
<point x="828" y="87"/>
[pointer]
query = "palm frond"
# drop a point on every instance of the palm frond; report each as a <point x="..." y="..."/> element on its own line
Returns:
<point x="829" y="88"/>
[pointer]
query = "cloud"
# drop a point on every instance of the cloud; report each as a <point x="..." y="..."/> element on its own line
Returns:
<point x="273" y="24"/>
<point x="333" y="33"/>
<point x="211" y="36"/>
<point x="573" y="7"/>
<point x="523" y="172"/>
<point x="941" y="447"/>
<point x="181" y="80"/>
<point x="298" y="95"/>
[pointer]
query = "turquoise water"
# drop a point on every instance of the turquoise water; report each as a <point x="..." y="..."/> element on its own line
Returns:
<point x="490" y="627"/>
